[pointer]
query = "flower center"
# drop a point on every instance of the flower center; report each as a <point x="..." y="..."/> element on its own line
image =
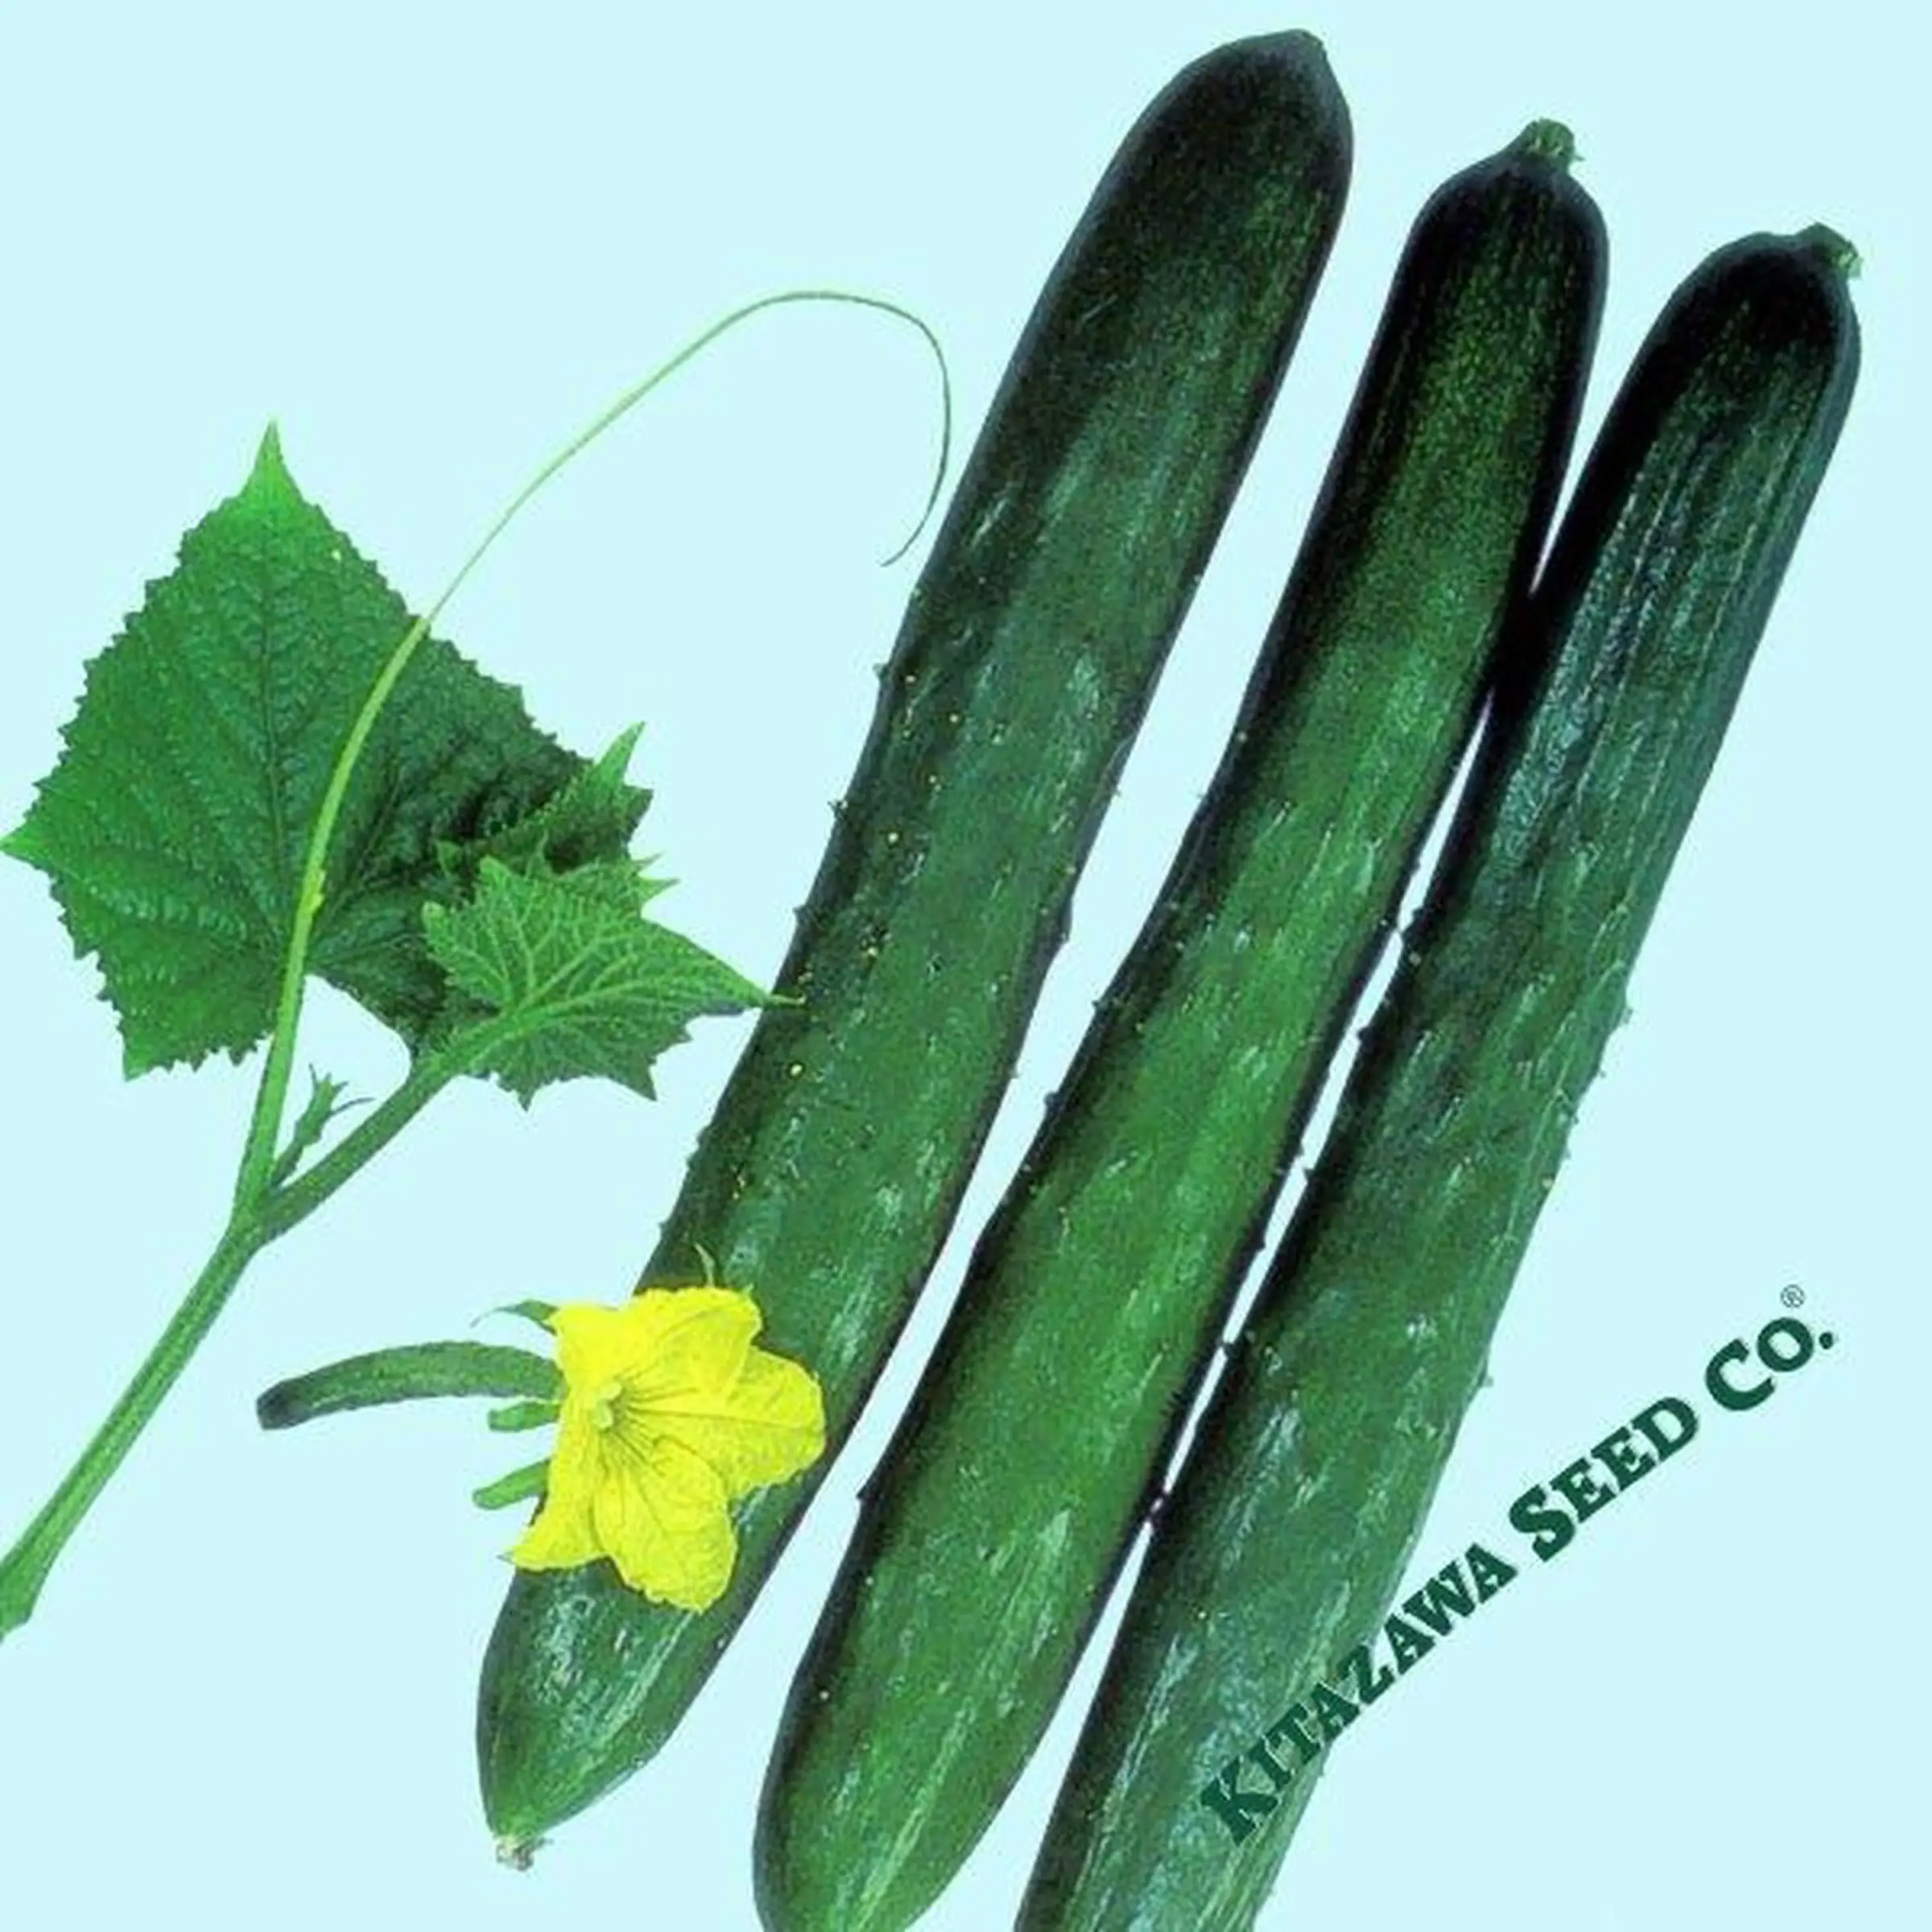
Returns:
<point x="604" y="1405"/>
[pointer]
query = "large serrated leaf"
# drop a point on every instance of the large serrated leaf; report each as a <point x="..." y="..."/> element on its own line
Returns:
<point x="175" y="825"/>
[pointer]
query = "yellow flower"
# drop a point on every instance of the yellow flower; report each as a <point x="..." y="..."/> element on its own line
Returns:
<point x="669" y="1415"/>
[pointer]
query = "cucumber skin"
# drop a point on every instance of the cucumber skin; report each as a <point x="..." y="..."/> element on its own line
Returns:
<point x="1282" y="1543"/>
<point x="1008" y="1499"/>
<point x="831" y="1168"/>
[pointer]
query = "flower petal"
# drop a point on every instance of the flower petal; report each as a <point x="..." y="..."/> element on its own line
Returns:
<point x="593" y="1344"/>
<point x="768" y="1426"/>
<point x="564" y="1533"/>
<point x="679" y="1339"/>
<point x="661" y="1517"/>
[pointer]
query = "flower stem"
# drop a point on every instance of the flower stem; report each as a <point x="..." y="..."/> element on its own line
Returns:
<point x="25" y="1567"/>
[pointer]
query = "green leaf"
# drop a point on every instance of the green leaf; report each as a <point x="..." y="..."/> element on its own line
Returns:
<point x="408" y="1374"/>
<point x="520" y="1486"/>
<point x="175" y="825"/>
<point x="568" y="980"/>
<point x="539" y="1312"/>
<point x="592" y="817"/>
<point x="529" y="1414"/>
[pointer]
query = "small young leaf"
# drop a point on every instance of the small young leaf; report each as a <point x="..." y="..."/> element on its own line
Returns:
<point x="570" y="978"/>
<point x="406" y="1374"/>
<point x="592" y="817"/>
<point x="325" y="1101"/>
<point x="519" y="1486"/>
<point x="522" y="1415"/>
<point x="538" y="1312"/>
<point x="174" y="826"/>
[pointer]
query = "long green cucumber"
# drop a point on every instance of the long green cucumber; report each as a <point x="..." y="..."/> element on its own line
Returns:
<point x="1010" y="1494"/>
<point x="829" y="1174"/>
<point x="1278" y="1551"/>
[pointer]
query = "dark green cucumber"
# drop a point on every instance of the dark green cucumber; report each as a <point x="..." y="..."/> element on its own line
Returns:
<point x="1280" y="1547"/>
<point x="1010" y="1494"/>
<point x="827" y="1178"/>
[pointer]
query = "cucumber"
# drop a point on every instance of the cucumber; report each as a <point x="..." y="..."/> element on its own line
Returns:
<point x="1010" y="1494"/>
<point x="1279" y="1549"/>
<point x="831" y="1169"/>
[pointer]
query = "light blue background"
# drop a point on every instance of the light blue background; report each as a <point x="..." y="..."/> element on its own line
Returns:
<point x="431" y="242"/>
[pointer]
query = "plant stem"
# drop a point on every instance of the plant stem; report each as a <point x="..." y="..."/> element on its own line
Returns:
<point x="264" y="1207"/>
<point x="296" y="1200"/>
<point x="25" y="1567"/>
<point x="258" y="1156"/>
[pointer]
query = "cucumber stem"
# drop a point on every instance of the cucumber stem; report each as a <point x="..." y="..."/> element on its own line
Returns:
<point x="25" y="1567"/>
<point x="264" y="1205"/>
<point x="1549" y="141"/>
<point x="1829" y="246"/>
<point x="269" y="1216"/>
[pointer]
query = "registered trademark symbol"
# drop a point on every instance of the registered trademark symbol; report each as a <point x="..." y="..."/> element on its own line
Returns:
<point x="1793" y="1297"/>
